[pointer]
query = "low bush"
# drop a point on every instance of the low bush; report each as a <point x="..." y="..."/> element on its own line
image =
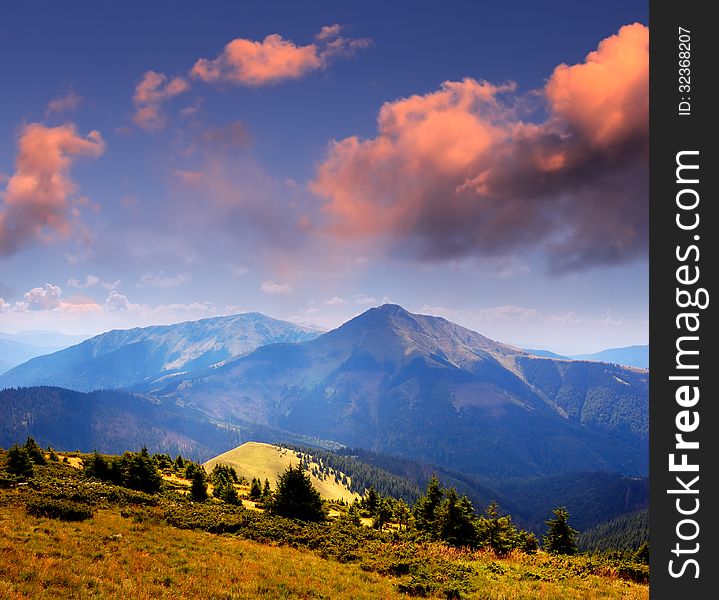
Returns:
<point x="53" y="508"/>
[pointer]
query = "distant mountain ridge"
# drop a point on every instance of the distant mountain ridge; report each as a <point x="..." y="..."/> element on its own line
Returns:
<point x="142" y="356"/>
<point x="423" y="387"/>
<point x="388" y="380"/>
<point x="14" y="352"/>
<point x="634" y="356"/>
<point x="630" y="356"/>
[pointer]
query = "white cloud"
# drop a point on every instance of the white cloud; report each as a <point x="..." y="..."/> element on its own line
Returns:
<point x="335" y="300"/>
<point x="42" y="298"/>
<point x="92" y="281"/>
<point x="271" y="287"/>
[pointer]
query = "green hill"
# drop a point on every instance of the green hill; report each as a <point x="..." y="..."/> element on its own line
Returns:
<point x="265" y="461"/>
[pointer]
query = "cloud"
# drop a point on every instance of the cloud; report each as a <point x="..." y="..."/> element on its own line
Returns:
<point x="43" y="298"/>
<point x="270" y="287"/>
<point x="605" y="98"/>
<point x="457" y="172"/>
<point x="36" y="201"/>
<point x="234" y="135"/>
<point x="153" y="90"/>
<point x="48" y="299"/>
<point x="66" y="103"/>
<point x="92" y="281"/>
<point x="274" y="59"/>
<point x="164" y="281"/>
<point x="335" y="300"/>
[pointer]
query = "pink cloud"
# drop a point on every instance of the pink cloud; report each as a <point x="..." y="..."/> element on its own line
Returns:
<point x="66" y="103"/>
<point x="153" y="90"/>
<point x="274" y="59"/>
<point x="605" y="97"/>
<point x="458" y="173"/>
<point x="36" y="201"/>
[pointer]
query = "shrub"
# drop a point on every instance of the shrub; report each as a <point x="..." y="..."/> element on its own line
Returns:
<point x="53" y="508"/>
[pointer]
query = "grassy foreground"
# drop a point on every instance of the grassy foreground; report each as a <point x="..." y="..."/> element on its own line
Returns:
<point x="111" y="557"/>
<point x="137" y="545"/>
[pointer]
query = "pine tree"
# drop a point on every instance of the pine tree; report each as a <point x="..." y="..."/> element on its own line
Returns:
<point x="34" y="451"/>
<point x="425" y="508"/>
<point x="560" y="537"/>
<point x="179" y="463"/>
<point x="266" y="490"/>
<point x="353" y="513"/>
<point x="198" y="489"/>
<point x="140" y="472"/>
<point x="19" y="461"/>
<point x="455" y="520"/>
<point x="498" y="533"/>
<point x="296" y="498"/>
<point x="401" y="513"/>
<point x="255" y="490"/>
<point x="97" y="467"/>
<point x="371" y="502"/>
<point x="383" y="513"/>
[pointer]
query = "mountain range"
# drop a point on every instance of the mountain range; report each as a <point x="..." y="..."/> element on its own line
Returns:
<point x="630" y="356"/>
<point x="14" y="352"/>
<point x="388" y="380"/>
<point x="142" y="357"/>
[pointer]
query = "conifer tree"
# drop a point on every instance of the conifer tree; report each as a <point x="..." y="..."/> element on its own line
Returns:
<point x="198" y="489"/>
<point x="34" y="451"/>
<point x="296" y="498"/>
<point x="255" y="489"/>
<point x="560" y="537"/>
<point x="383" y="513"/>
<point x="266" y="490"/>
<point x="140" y="472"/>
<point x="19" y="461"/>
<point x="425" y="508"/>
<point x="455" y="520"/>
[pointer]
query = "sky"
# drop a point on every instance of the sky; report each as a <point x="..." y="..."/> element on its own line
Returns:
<point x="482" y="161"/>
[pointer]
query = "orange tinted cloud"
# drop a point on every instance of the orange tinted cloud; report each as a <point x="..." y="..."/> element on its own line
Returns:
<point x="458" y="173"/>
<point x="68" y="102"/>
<point x="605" y="97"/>
<point x="274" y="59"/>
<point x="36" y="199"/>
<point x="153" y="90"/>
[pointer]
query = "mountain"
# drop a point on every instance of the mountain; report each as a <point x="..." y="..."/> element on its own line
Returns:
<point x="633" y="356"/>
<point x="143" y="356"/>
<point x="44" y="338"/>
<point x="425" y="388"/>
<point x="546" y="354"/>
<point x="267" y="461"/>
<point x="14" y="352"/>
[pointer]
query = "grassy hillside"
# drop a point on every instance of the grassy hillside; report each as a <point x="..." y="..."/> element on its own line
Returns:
<point x="106" y="540"/>
<point x="115" y="557"/>
<point x="265" y="461"/>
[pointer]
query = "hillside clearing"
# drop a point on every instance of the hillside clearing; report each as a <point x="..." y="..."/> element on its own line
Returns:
<point x="266" y="461"/>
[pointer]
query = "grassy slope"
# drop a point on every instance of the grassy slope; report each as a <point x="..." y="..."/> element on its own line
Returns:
<point x="110" y="556"/>
<point x="254" y="459"/>
<point x="131" y="550"/>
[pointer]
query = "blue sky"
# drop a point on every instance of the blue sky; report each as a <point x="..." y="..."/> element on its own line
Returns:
<point x="281" y="187"/>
